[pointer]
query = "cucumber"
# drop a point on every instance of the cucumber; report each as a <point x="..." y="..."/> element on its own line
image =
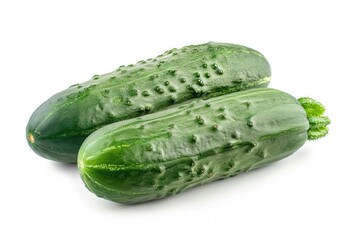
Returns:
<point x="167" y="152"/>
<point x="59" y="126"/>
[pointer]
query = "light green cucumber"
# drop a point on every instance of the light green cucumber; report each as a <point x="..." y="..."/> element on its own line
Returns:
<point x="167" y="152"/>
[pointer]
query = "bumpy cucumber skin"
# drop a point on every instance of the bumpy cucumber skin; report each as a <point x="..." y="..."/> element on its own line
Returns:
<point x="58" y="127"/>
<point x="167" y="152"/>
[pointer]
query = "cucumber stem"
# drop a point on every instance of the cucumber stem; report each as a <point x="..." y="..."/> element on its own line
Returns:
<point x="318" y="123"/>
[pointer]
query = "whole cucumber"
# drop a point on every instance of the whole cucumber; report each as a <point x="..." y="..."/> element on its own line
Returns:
<point x="167" y="152"/>
<point x="59" y="126"/>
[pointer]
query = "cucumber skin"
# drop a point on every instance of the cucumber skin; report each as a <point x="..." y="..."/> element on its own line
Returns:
<point x="59" y="126"/>
<point x="167" y="152"/>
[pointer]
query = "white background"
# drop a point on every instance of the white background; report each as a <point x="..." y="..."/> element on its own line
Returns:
<point x="313" y="48"/>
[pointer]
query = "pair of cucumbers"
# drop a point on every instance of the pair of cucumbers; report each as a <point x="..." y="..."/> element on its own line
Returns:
<point x="187" y="117"/>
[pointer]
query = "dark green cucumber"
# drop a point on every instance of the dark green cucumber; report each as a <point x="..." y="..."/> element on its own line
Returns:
<point x="167" y="152"/>
<point x="58" y="127"/>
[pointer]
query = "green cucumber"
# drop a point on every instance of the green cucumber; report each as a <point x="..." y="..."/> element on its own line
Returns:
<point x="167" y="152"/>
<point x="59" y="126"/>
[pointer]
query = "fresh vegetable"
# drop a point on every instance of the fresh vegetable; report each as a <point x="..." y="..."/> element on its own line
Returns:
<point x="59" y="126"/>
<point x="167" y="152"/>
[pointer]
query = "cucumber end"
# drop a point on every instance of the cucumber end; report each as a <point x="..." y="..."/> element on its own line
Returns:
<point x="318" y="124"/>
<point x="31" y="138"/>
